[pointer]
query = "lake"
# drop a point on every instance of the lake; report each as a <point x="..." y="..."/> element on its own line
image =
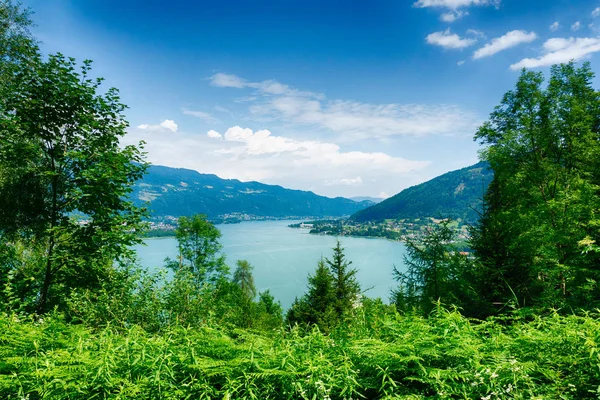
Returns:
<point x="283" y="257"/>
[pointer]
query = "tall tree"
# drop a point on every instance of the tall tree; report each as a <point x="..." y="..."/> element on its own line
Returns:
<point x="242" y="276"/>
<point x="317" y="307"/>
<point x="17" y="46"/>
<point x="346" y="287"/>
<point x="200" y="248"/>
<point x="543" y="145"/>
<point x="432" y="269"/>
<point x="64" y="178"/>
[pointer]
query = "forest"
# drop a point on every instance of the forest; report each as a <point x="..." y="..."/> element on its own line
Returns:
<point x="515" y="318"/>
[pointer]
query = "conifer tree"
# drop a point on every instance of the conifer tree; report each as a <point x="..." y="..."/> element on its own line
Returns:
<point x="317" y="307"/>
<point x="242" y="277"/>
<point x="345" y="285"/>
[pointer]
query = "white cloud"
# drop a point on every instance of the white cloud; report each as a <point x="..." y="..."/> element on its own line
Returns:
<point x="345" y="181"/>
<point x="554" y="27"/>
<point x="241" y="153"/>
<point x="510" y="39"/>
<point x="452" y="16"/>
<point x="475" y="32"/>
<point x="461" y="62"/>
<point x="226" y="80"/>
<point x="168" y="124"/>
<point x="199" y="114"/>
<point x="214" y="134"/>
<point x="383" y="195"/>
<point x="449" y="40"/>
<point x="575" y="27"/>
<point x="454" y="4"/>
<point x="596" y="12"/>
<point x="268" y="87"/>
<point x="355" y="120"/>
<point x="309" y="152"/>
<point x="561" y="50"/>
<point x="221" y="109"/>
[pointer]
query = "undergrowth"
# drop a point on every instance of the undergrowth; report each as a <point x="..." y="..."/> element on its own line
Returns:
<point x="445" y="356"/>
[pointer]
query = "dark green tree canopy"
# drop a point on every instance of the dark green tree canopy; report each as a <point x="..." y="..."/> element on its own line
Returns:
<point x="347" y="289"/>
<point x="64" y="178"/>
<point x="543" y="145"/>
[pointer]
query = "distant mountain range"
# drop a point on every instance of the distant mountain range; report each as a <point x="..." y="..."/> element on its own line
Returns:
<point x="367" y="198"/>
<point x="456" y="194"/>
<point x="177" y="192"/>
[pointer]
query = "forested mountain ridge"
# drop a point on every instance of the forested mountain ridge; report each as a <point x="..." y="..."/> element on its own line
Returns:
<point x="455" y="194"/>
<point x="178" y="191"/>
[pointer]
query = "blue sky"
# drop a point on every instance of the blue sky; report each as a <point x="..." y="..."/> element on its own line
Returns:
<point x="344" y="98"/>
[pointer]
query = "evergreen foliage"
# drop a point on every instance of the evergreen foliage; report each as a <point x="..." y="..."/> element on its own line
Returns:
<point x="78" y="320"/>
<point x="317" y="306"/>
<point x="346" y="287"/>
<point x="244" y="279"/>
<point x="544" y="200"/>
<point x="433" y="270"/>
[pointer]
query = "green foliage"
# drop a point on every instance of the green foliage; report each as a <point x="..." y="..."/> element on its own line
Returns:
<point x="542" y="144"/>
<point x="199" y="249"/>
<point x="242" y="277"/>
<point x="17" y="46"/>
<point x="455" y="194"/>
<point x="317" y="306"/>
<point x="64" y="179"/>
<point x="333" y="293"/>
<point x="346" y="287"/>
<point x="434" y="269"/>
<point x="381" y="355"/>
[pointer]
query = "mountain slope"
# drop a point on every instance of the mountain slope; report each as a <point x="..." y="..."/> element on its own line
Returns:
<point x="359" y="199"/>
<point x="176" y="192"/>
<point x="456" y="194"/>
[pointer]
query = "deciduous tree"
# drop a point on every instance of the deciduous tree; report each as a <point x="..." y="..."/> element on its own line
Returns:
<point x="64" y="178"/>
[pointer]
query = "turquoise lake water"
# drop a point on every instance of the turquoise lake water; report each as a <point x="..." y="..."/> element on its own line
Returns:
<point x="283" y="257"/>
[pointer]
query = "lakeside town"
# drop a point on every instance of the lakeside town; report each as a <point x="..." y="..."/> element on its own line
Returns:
<point x="392" y="229"/>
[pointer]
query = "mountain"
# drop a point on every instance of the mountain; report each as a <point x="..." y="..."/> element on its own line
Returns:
<point x="176" y="192"/>
<point x="360" y="199"/>
<point x="456" y="194"/>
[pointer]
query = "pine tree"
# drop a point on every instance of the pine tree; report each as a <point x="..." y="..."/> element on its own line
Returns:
<point x="345" y="285"/>
<point x="433" y="269"/>
<point x="242" y="277"/>
<point x="317" y="307"/>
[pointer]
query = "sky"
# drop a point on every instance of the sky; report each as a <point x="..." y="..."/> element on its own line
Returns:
<point x="343" y="98"/>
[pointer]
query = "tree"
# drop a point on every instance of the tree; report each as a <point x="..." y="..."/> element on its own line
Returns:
<point x="244" y="279"/>
<point x="17" y="47"/>
<point x="64" y="178"/>
<point x="317" y="307"/>
<point x="200" y="249"/>
<point x="346" y="287"/>
<point x="543" y="145"/>
<point x="267" y="304"/>
<point x="432" y="269"/>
